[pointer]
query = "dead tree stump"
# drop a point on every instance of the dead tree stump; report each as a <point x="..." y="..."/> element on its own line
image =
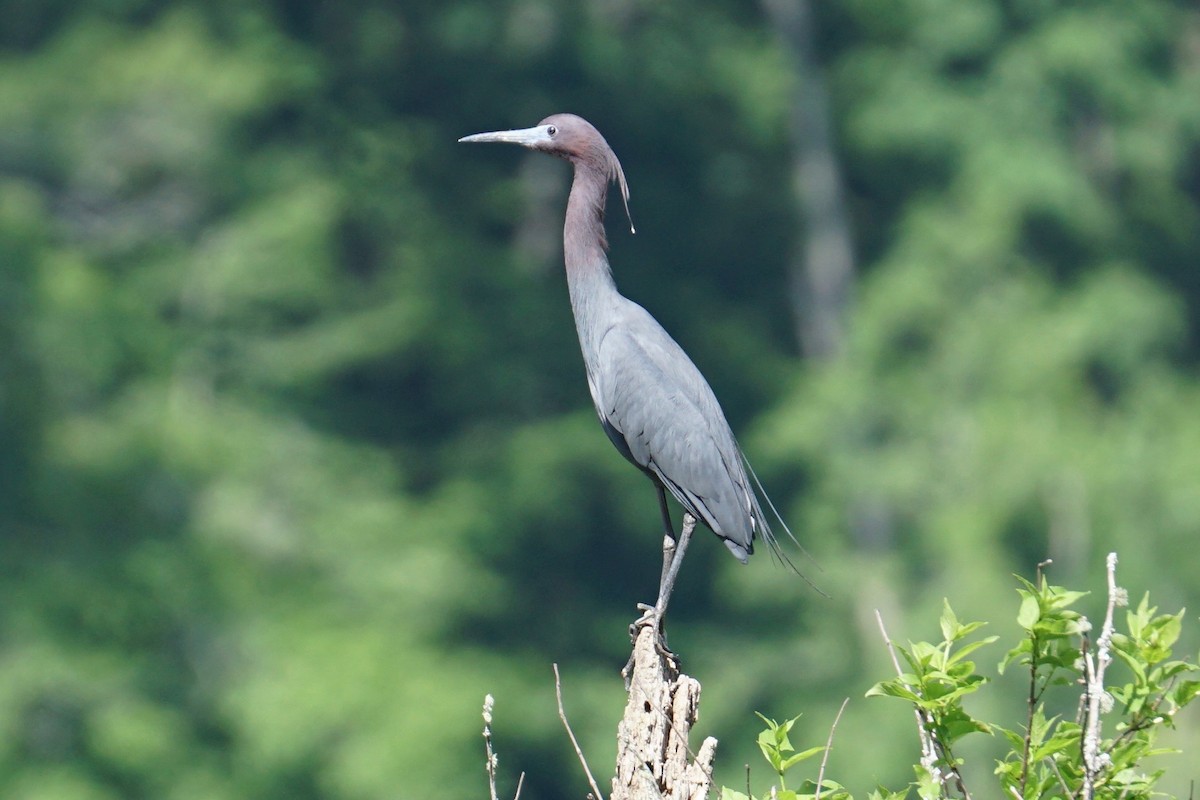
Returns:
<point x="653" y="757"/>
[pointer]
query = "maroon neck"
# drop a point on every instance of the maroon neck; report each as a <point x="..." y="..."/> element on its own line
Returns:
<point x="589" y="278"/>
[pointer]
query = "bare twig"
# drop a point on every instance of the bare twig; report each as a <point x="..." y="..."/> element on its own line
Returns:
<point x="1098" y="700"/>
<point x="828" y="747"/>
<point x="562" y="714"/>
<point x="958" y="778"/>
<point x="492" y="758"/>
<point x="488" y="702"/>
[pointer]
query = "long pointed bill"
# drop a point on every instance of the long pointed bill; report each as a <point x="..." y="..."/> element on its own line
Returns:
<point x="527" y="137"/>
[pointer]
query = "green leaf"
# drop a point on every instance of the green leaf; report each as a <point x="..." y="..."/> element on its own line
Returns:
<point x="971" y="647"/>
<point x="893" y="688"/>
<point x="948" y="622"/>
<point x="1025" y="648"/>
<point x="1029" y="587"/>
<point x="956" y="723"/>
<point x="1164" y="631"/>
<point x="801" y="756"/>
<point x="1061" y="625"/>
<point x="830" y="790"/>
<point x="1172" y="669"/>
<point x="1029" y="612"/>
<point x="1064" y="740"/>
<point x="1132" y="660"/>
<point x="1014" y="738"/>
<point x="928" y="787"/>
<point x="1186" y="692"/>
<point x="921" y="655"/>
<point x="1058" y="598"/>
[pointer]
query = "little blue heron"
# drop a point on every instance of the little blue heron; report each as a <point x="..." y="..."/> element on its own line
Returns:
<point x="653" y="402"/>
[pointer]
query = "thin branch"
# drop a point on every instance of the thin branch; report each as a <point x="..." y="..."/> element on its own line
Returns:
<point x="928" y="755"/>
<point x="930" y="745"/>
<point x="958" y="778"/>
<point x="1034" y="695"/>
<point x="828" y="747"/>
<point x="1062" y="781"/>
<point x="492" y="759"/>
<point x="1094" y="761"/>
<point x="1031" y="710"/>
<point x="562" y="714"/>
<point x="1144" y="719"/>
<point x="488" y="703"/>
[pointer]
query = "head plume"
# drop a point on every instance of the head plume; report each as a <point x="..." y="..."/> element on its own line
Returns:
<point x="577" y="140"/>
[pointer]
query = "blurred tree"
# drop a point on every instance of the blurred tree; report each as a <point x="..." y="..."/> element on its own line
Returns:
<point x="297" y="459"/>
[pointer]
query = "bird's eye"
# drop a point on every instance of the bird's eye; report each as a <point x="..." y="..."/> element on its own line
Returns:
<point x="551" y="130"/>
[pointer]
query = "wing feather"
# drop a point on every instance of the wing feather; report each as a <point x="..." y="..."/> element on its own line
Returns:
<point x="662" y="415"/>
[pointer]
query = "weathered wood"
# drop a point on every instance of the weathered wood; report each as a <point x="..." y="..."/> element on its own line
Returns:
<point x="653" y="756"/>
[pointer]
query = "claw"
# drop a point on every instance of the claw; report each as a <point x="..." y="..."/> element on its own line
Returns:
<point x="650" y="618"/>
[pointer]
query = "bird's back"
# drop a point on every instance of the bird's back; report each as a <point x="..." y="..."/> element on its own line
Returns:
<point x="662" y="415"/>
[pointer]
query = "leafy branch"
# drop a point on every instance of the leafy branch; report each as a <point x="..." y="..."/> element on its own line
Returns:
<point x="1049" y="756"/>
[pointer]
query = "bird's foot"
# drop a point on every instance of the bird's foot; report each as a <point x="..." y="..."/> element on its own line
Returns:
<point x="651" y="618"/>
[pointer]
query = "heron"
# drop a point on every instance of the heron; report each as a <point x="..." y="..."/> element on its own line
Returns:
<point x="652" y="401"/>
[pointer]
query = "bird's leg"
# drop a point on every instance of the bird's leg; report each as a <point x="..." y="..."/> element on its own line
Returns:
<point x="674" y="548"/>
<point x="668" y="557"/>
<point x="668" y="540"/>
<point x="671" y="571"/>
<point x="673" y="551"/>
<point x="654" y="616"/>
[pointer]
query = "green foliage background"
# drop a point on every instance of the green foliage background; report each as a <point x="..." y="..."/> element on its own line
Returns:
<point x="296" y="456"/>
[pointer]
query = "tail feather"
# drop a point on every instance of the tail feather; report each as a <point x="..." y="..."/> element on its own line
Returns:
<point x="770" y="538"/>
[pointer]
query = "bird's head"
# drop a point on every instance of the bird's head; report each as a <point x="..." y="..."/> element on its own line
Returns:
<point x="571" y="137"/>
